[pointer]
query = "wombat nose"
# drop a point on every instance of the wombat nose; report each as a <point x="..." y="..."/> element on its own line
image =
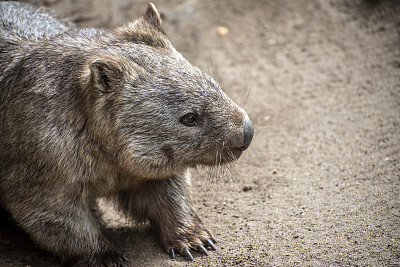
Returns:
<point x="248" y="132"/>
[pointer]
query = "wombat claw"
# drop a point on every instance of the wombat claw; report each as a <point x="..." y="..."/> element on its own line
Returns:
<point x="210" y="243"/>
<point x="202" y="249"/>
<point x="172" y="253"/>
<point x="187" y="254"/>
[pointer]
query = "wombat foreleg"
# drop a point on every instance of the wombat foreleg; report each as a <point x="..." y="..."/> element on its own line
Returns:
<point x="167" y="204"/>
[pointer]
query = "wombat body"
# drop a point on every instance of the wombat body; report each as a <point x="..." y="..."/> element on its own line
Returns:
<point x="119" y="114"/>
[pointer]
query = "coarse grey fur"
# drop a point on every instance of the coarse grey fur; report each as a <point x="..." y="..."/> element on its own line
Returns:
<point x="30" y="22"/>
<point x="118" y="114"/>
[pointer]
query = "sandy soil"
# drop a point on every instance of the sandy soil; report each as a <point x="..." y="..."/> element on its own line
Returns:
<point x="320" y="184"/>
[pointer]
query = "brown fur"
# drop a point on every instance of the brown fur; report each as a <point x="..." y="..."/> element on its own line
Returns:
<point x="87" y="113"/>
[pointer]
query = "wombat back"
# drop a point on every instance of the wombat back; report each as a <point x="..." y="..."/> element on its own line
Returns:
<point x="26" y="21"/>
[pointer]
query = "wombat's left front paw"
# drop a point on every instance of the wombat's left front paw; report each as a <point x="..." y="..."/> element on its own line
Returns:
<point x="192" y="236"/>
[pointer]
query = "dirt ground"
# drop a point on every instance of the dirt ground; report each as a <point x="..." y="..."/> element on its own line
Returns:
<point x="320" y="184"/>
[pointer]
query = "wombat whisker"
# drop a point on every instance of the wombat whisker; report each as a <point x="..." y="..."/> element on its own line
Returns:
<point x="221" y="156"/>
<point x="204" y="173"/>
<point x="207" y="66"/>
<point x="247" y="89"/>
<point x="233" y="171"/>
<point x="231" y="155"/>
<point x="218" y="176"/>
<point x="261" y="126"/>
<point x="209" y="174"/>
<point x="212" y="64"/>
<point x="229" y="172"/>
<point x="218" y="155"/>
<point x="214" y="175"/>
<point x="216" y="158"/>
<point x="219" y="167"/>
<point x="218" y="172"/>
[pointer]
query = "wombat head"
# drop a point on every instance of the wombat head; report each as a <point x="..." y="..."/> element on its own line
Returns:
<point x="162" y="114"/>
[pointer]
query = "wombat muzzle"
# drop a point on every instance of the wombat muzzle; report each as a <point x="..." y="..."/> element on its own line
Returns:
<point x="242" y="145"/>
<point x="248" y="132"/>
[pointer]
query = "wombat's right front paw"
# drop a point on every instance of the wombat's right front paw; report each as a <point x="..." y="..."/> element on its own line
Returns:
<point x="184" y="250"/>
<point x="195" y="237"/>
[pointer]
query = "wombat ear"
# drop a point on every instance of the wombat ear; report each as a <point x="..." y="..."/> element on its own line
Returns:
<point x="153" y="17"/>
<point x="104" y="73"/>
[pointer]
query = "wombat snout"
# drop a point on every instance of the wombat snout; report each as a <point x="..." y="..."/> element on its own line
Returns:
<point x="243" y="143"/>
<point x="248" y="132"/>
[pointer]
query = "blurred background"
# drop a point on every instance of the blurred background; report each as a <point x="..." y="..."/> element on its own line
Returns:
<point x="320" y="79"/>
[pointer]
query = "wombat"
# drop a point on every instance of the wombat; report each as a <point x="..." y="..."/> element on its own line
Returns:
<point x="116" y="114"/>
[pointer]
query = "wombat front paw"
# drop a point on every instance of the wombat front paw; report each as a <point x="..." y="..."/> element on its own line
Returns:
<point x="196" y="237"/>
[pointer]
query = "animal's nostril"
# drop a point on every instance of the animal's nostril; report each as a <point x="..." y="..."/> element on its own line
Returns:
<point x="248" y="132"/>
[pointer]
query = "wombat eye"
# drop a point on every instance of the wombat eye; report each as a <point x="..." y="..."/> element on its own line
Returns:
<point x="189" y="120"/>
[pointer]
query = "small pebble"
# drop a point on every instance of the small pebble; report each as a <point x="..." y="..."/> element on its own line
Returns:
<point x="222" y="31"/>
<point x="247" y="188"/>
